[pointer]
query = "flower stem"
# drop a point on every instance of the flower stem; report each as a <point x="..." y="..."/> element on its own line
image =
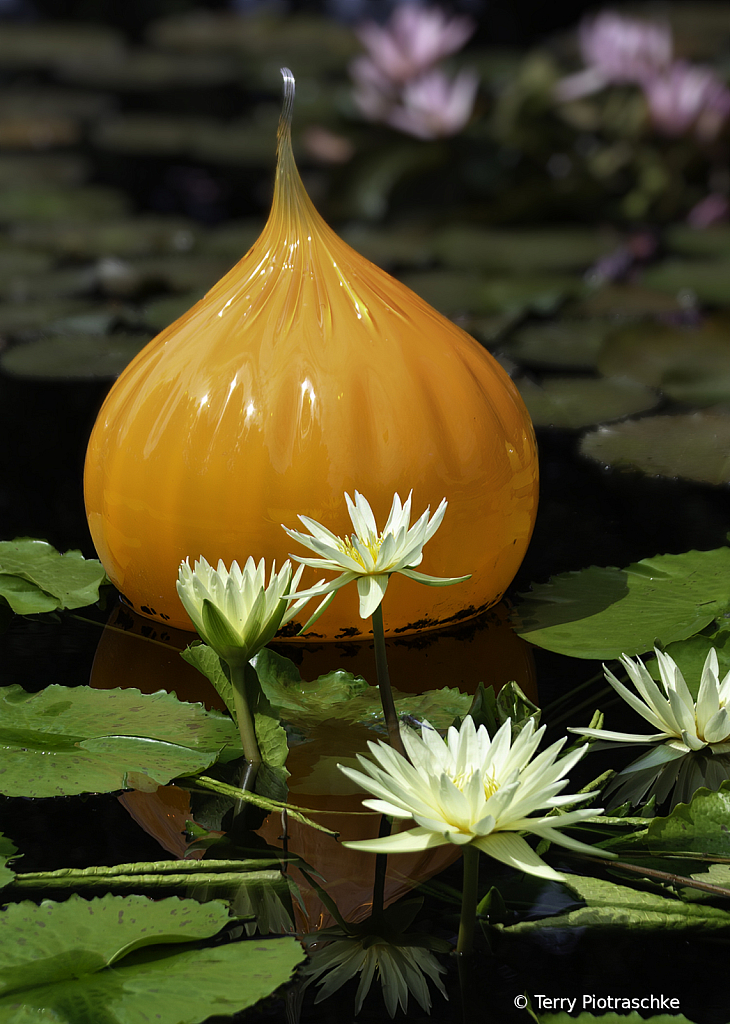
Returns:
<point x="468" y="899"/>
<point x="381" y="867"/>
<point x="241" y="678"/>
<point x="386" y="694"/>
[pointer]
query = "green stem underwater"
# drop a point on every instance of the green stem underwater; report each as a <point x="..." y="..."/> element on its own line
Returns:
<point x="469" y="895"/>
<point x="240" y="678"/>
<point x="386" y="694"/>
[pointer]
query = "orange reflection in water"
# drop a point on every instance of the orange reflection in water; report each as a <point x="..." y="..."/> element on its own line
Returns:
<point x="136" y="652"/>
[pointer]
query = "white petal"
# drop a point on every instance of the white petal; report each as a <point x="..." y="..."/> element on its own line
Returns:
<point x="718" y="728"/>
<point x="412" y="841"/>
<point x="512" y="849"/>
<point x="436" y="519"/>
<point x="432" y="581"/>
<point x="372" y="591"/>
<point x="362" y="516"/>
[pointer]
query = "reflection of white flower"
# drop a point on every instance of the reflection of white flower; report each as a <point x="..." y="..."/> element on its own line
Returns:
<point x="469" y="788"/>
<point x="662" y="773"/>
<point x="234" y="612"/>
<point x="369" y="556"/>
<point x="400" y="969"/>
<point x="682" y="724"/>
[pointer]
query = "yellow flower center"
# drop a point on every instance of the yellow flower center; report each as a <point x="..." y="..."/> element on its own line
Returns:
<point x="373" y="545"/>
<point x="463" y="778"/>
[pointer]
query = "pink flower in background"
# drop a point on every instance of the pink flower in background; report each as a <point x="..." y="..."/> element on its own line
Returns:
<point x="688" y="97"/>
<point x="434" y="106"/>
<point x="413" y="41"/>
<point x="397" y="82"/>
<point x="713" y="209"/>
<point x="617" y="50"/>
<point x="374" y="94"/>
<point x="625" y="49"/>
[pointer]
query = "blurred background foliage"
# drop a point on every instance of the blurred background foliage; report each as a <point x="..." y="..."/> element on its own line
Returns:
<point x="556" y="181"/>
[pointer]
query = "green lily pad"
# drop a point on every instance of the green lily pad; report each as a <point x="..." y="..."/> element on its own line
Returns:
<point x="603" y="613"/>
<point x="132" y="237"/>
<point x="231" y="241"/>
<point x="149" y="133"/>
<point x="700" y="826"/>
<point x="690" y="364"/>
<point x="62" y="741"/>
<point x="144" y="70"/>
<point x="626" y="301"/>
<point x="48" y="169"/>
<point x="26" y="286"/>
<point x="709" y="241"/>
<point x="34" y="577"/>
<point x="609" y="905"/>
<point x="707" y="280"/>
<point x="91" y="202"/>
<point x="407" y="245"/>
<point x="522" y="251"/>
<point x="449" y="291"/>
<point x="574" y="402"/>
<point x="8" y="851"/>
<point x="261" y="37"/>
<point x="28" y="44"/>
<point x="181" y="273"/>
<point x="453" y="292"/>
<point x="538" y="294"/>
<point x="560" y="343"/>
<point x="246" y="142"/>
<point x="159" y="313"/>
<point x="20" y="262"/>
<point x="21" y="317"/>
<point x="693" y="447"/>
<point x="342" y="696"/>
<point x="690" y="655"/>
<point x="55" y="958"/>
<point x="334" y="696"/>
<point x="55" y="102"/>
<point x="75" y="357"/>
<point x="303" y="701"/>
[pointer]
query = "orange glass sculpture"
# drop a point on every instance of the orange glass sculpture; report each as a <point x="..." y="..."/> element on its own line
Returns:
<point x="304" y="373"/>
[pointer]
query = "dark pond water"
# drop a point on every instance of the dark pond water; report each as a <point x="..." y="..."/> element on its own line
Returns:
<point x="585" y="515"/>
<point x="211" y="193"/>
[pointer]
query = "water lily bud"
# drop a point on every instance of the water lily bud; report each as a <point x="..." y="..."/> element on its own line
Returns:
<point x="304" y="373"/>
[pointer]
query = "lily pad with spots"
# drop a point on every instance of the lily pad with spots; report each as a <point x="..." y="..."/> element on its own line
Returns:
<point x="35" y="577"/>
<point x="606" y="612"/>
<point x="522" y="251"/>
<point x="68" y="740"/>
<point x="695" y="446"/>
<point x="688" y="363"/>
<point x="56" y="955"/>
<point x="73" y="357"/>
<point x="574" y="402"/>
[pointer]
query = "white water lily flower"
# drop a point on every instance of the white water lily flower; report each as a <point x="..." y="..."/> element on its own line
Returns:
<point x="370" y="556"/>
<point x="469" y="788"/>
<point x="234" y="612"/>
<point x="682" y="724"/>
